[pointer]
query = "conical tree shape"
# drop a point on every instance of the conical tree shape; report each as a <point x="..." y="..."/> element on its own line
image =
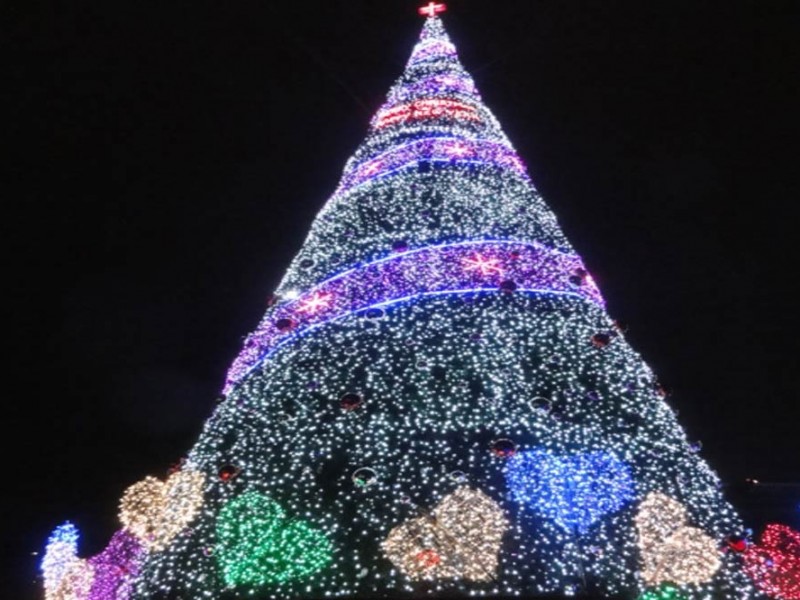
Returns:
<point x="437" y="401"/>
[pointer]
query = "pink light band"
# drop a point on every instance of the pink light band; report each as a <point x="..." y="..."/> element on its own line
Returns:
<point x="419" y="110"/>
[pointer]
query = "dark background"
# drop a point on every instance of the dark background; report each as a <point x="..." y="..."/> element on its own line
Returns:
<point x="166" y="160"/>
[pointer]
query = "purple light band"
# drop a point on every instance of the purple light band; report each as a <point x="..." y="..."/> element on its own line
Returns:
<point x="432" y="86"/>
<point x="433" y="149"/>
<point x="432" y="49"/>
<point x="475" y="266"/>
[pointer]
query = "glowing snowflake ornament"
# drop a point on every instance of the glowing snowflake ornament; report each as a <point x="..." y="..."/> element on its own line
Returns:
<point x="314" y="303"/>
<point x="484" y="266"/>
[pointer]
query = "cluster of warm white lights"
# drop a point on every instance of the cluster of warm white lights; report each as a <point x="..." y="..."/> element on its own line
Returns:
<point x="76" y="583"/>
<point x="434" y="335"/>
<point x="155" y="511"/>
<point x="672" y="551"/>
<point x="459" y="539"/>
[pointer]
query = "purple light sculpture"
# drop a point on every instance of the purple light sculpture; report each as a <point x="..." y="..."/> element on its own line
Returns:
<point x="115" y="567"/>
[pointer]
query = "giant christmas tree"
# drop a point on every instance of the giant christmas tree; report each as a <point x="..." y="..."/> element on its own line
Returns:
<point x="436" y="403"/>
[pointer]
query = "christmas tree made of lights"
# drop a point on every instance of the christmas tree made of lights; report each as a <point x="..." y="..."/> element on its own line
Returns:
<point x="436" y="403"/>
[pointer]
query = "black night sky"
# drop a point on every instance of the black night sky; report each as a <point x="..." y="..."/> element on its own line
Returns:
<point x="166" y="160"/>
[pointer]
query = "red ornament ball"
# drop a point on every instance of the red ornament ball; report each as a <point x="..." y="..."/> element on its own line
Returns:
<point x="284" y="324"/>
<point x="351" y="401"/>
<point x="601" y="340"/>
<point x="504" y="448"/>
<point x="737" y="543"/>
<point x="508" y="286"/>
<point x="228" y="472"/>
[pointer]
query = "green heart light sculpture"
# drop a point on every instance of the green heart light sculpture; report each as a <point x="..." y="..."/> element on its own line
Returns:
<point x="665" y="592"/>
<point x="258" y="545"/>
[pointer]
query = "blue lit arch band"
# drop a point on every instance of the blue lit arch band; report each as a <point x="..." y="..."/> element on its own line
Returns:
<point x="476" y="266"/>
<point x="448" y="150"/>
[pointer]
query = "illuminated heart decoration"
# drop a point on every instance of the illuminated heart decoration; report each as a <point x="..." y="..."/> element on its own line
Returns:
<point x="156" y="511"/>
<point x="257" y="544"/>
<point x="670" y="549"/>
<point x="774" y="563"/>
<point x="459" y="539"/>
<point x="665" y="592"/>
<point x="575" y="491"/>
<point x="116" y="567"/>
